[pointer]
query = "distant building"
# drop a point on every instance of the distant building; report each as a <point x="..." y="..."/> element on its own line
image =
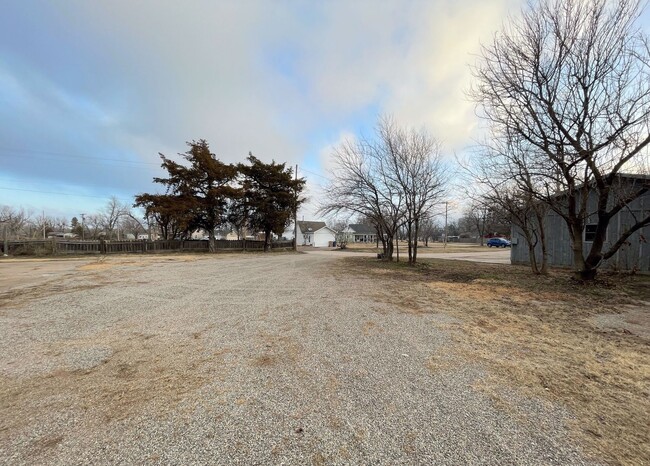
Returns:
<point x="359" y="233"/>
<point x="146" y="236"/>
<point x="311" y="233"/>
<point x="60" y="234"/>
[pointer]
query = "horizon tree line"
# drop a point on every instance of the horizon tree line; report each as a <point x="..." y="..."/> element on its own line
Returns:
<point x="113" y="220"/>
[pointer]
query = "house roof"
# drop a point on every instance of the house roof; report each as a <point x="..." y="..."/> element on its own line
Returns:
<point x="362" y="229"/>
<point x="638" y="176"/>
<point x="310" y="227"/>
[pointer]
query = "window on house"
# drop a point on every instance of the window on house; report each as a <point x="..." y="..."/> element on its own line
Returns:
<point x="590" y="232"/>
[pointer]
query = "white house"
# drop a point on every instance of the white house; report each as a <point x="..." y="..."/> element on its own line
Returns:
<point x="154" y="236"/>
<point x="359" y="233"/>
<point x="315" y="234"/>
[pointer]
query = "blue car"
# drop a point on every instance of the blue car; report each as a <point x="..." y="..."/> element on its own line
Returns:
<point x="498" y="243"/>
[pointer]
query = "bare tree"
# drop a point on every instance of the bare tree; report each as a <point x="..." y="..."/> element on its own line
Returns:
<point x="111" y="215"/>
<point x="41" y="225"/>
<point x="360" y="184"/>
<point x="14" y="220"/>
<point x="476" y="214"/>
<point x="429" y="230"/>
<point x="413" y="164"/>
<point x="393" y="180"/>
<point x="61" y="224"/>
<point x="129" y="224"/>
<point x="498" y="179"/>
<point x="93" y="224"/>
<point x="566" y="93"/>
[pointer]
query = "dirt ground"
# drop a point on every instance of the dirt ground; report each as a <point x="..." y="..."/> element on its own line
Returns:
<point x="318" y="359"/>
<point x="28" y="272"/>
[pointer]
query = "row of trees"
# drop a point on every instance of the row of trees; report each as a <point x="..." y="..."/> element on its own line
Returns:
<point x="115" y="219"/>
<point x="209" y="194"/>
<point x="565" y="93"/>
<point x="481" y="219"/>
<point x="394" y="180"/>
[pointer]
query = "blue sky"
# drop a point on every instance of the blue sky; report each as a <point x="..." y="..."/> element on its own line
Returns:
<point x="90" y="92"/>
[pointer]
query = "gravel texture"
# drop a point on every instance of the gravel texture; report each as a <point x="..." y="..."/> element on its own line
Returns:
<point x="251" y="359"/>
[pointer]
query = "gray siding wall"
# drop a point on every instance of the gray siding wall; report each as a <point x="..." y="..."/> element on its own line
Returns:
<point x="635" y="254"/>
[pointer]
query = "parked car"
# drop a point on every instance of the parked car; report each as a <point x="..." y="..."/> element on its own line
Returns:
<point x="498" y="243"/>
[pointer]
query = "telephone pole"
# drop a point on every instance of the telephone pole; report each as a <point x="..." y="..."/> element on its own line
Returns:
<point x="295" y="217"/>
<point x="83" y="228"/>
<point x="5" y="251"/>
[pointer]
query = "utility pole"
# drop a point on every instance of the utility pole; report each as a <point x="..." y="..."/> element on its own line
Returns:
<point x="83" y="228"/>
<point x="43" y="224"/>
<point x="446" y="211"/>
<point x="6" y="247"/>
<point x="295" y="217"/>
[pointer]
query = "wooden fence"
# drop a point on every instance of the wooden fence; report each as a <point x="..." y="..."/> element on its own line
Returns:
<point x="56" y="246"/>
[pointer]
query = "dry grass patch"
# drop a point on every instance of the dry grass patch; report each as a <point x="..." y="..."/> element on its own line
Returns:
<point x="277" y="349"/>
<point x="540" y="335"/>
<point x="140" y="371"/>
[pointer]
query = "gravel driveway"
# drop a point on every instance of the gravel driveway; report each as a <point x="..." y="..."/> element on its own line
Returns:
<point x="488" y="256"/>
<point x="250" y="359"/>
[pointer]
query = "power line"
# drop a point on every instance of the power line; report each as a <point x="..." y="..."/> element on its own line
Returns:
<point x="35" y="154"/>
<point x="61" y="194"/>
<point x="314" y="173"/>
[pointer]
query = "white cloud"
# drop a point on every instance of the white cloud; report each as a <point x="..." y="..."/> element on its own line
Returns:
<point x="270" y="77"/>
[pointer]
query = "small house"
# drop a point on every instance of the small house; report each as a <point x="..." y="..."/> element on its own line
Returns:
<point x="316" y="234"/>
<point x="359" y="233"/>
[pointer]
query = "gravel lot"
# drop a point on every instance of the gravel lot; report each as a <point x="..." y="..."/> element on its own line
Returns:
<point x="247" y="359"/>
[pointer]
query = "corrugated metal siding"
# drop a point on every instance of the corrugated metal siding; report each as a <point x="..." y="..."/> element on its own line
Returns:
<point x="634" y="255"/>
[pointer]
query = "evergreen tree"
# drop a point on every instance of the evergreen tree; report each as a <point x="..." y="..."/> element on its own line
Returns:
<point x="270" y="196"/>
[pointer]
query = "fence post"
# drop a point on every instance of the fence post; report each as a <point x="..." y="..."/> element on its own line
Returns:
<point x="6" y="248"/>
<point x="54" y="246"/>
<point x="102" y="246"/>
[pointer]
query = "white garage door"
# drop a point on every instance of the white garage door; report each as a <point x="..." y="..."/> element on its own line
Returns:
<point x="322" y="239"/>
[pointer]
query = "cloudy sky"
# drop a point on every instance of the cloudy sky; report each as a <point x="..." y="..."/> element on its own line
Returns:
<point x="91" y="91"/>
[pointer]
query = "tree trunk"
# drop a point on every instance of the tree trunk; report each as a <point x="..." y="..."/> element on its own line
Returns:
<point x="388" y="255"/>
<point x="532" y="258"/>
<point x="582" y="271"/>
<point x="542" y="239"/>
<point x="397" y="247"/>
<point x="267" y="241"/>
<point x="384" y="246"/>
<point x="409" y="238"/>
<point x="212" y="241"/>
<point x="415" y="246"/>
<point x="595" y="256"/>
